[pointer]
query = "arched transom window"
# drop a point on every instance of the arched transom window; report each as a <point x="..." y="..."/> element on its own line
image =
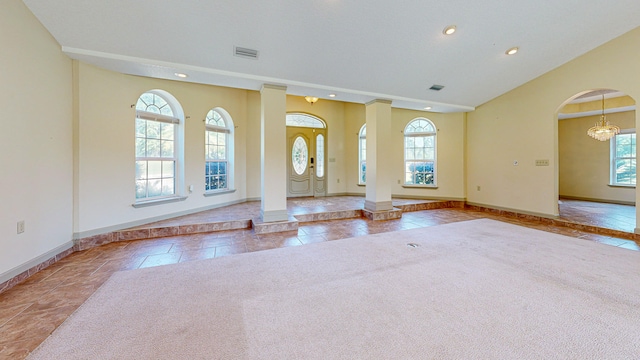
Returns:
<point x="420" y="153"/>
<point x="304" y="120"/>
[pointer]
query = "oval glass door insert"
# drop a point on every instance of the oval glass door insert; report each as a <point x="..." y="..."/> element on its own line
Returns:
<point x="299" y="155"/>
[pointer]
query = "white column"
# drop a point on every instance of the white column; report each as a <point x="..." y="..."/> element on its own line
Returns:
<point x="273" y="153"/>
<point x="378" y="189"/>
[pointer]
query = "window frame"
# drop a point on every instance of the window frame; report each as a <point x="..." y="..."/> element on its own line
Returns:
<point x="614" y="158"/>
<point x="424" y="135"/>
<point x="228" y="132"/>
<point x="175" y="117"/>
<point x="362" y="155"/>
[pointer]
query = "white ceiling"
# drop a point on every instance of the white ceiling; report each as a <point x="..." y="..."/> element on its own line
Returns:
<point x="358" y="49"/>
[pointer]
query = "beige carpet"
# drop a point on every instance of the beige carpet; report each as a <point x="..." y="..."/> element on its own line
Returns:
<point x="480" y="289"/>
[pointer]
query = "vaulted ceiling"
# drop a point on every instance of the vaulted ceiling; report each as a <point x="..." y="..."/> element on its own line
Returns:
<point x="358" y="50"/>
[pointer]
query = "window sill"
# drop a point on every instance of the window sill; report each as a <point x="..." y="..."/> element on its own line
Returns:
<point x="214" y="193"/>
<point x="154" y="202"/>
<point x="622" y="186"/>
<point x="363" y="185"/>
<point x="420" y="186"/>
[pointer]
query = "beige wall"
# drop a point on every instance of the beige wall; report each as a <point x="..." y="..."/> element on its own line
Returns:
<point x="522" y="125"/>
<point x="35" y="142"/>
<point x="584" y="163"/>
<point x="106" y="147"/>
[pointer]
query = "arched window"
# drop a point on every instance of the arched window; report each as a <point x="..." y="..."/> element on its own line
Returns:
<point x="158" y="146"/>
<point x="304" y="120"/>
<point x="420" y="153"/>
<point x="218" y="151"/>
<point x="362" y="155"/>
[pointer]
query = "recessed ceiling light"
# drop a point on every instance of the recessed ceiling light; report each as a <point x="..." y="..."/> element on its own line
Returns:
<point x="332" y="95"/>
<point x="512" y="51"/>
<point x="449" y="30"/>
<point x="428" y="108"/>
<point x="180" y="75"/>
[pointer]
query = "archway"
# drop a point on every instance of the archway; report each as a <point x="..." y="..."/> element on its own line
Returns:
<point x="594" y="176"/>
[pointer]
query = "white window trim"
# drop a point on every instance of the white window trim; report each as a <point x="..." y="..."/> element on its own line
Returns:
<point x="612" y="160"/>
<point x="178" y="149"/>
<point x="360" y="138"/>
<point x="435" y="154"/>
<point x="230" y="141"/>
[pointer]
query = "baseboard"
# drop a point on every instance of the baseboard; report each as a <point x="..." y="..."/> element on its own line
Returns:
<point x="606" y="201"/>
<point x="38" y="260"/>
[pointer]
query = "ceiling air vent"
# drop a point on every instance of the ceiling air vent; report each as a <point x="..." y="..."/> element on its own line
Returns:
<point x="436" y="87"/>
<point x="245" y="53"/>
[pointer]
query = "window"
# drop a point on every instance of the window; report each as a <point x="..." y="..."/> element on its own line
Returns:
<point x="623" y="158"/>
<point x="157" y="146"/>
<point x="218" y="151"/>
<point x="304" y="120"/>
<point x="320" y="155"/>
<point x="362" y="155"/>
<point x="420" y="153"/>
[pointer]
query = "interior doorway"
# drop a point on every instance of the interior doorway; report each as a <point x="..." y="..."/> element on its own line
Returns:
<point x="306" y="149"/>
<point x="597" y="177"/>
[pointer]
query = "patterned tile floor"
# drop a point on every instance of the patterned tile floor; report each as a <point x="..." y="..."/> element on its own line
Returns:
<point x="30" y="311"/>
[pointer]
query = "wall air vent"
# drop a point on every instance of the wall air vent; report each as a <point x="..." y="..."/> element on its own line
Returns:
<point x="436" y="87"/>
<point x="245" y="53"/>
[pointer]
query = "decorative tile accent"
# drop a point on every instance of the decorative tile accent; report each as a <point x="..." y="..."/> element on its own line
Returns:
<point x="93" y="241"/>
<point x="137" y="234"/>
<point x="164" y="231"/>
<point x="272" y="227"/>
<point x="395" y="213"/>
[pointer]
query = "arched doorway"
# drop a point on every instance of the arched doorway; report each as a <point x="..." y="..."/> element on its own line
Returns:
<point x="594" y="176"/>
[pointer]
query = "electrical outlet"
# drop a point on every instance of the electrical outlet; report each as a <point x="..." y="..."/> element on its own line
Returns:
<point x="478" y="188"/>
<point x="338" y="181"/>
<point x="398" y="181"/>
<point x="20" y="226"/>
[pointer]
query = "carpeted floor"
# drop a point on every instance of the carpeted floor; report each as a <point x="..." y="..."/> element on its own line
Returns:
<point x="479" y="289"/>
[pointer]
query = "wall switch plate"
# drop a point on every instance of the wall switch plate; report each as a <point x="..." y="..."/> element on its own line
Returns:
<point x="542" y="162"/>
<point x="20" y="226"/>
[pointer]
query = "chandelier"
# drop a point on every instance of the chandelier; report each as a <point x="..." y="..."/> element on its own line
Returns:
<point x="603" y="131"/>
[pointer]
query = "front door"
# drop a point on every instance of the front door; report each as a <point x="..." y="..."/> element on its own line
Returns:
<point x="306" y="172"/>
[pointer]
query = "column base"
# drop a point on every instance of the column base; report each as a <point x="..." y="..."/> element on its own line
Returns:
<point x="274" y="215"/>
<point x="378" y="206"/>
